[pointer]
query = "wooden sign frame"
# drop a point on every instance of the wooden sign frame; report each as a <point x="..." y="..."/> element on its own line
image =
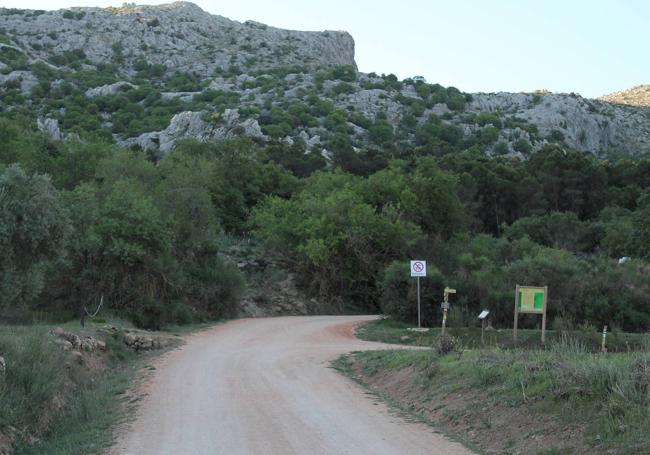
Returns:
<point x="542" y="312"/>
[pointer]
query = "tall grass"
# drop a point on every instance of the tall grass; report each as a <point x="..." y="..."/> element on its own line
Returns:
<point x="31" y="387"/>
<point x="609" y="394"/>
<point x="46" y="394"/>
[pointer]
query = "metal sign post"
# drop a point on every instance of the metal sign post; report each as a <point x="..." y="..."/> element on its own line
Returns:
<point x="418" y="269"/>
<point x="419" y="312"/>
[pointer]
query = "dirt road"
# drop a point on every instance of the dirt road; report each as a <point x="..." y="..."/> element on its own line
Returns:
<point x="264" y="386"/>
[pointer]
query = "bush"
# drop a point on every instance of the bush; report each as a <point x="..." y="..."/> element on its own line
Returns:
<point x="399" y="294"/>
<point x="34" y="230"/>
<point x="345" y="73"/>
<point x="343" y="87"/>
<point x="446" y="344"/>
<point x="523" y="146"/>
<point x="155" y="315"/>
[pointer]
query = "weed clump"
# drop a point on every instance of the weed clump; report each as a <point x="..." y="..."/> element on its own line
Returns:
<point x="447" y="344"/>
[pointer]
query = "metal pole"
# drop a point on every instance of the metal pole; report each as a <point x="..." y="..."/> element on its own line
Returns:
<point x="603" y="348"/>
<point x="514" y="328"/>
<point x="419" y="318"/>
<point x="544" y="315"/>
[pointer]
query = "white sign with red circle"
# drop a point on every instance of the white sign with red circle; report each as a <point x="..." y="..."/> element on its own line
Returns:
<point x="418" y="268"/>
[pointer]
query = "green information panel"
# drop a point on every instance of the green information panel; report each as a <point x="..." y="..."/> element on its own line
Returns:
<point x="531" y="299"/>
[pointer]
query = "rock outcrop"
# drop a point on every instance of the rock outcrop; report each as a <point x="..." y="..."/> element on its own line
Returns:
<point x="180" y="36"/>
<point x="110" y="89"/>
<point x="192" y="125"/>
<point x="589" y="125"/>
<point x="50" y="127"/>
<point x="24" y="80"/>
<point x="141" y="342"/>
<point x="636" y="96"/>
<point x="72" y="341"/>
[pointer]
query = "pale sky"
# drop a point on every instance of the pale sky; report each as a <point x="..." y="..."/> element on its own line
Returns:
<point x="589" y="47"/>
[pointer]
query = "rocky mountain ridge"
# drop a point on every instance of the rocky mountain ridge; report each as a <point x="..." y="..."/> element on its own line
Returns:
<point x="635" y="96"/>
<point x="180" y="36"/>
<point x="148" y="76"/>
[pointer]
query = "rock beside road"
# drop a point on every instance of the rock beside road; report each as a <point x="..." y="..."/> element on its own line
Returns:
<point x="141" y="342"/>
<point x="73" y="342"/>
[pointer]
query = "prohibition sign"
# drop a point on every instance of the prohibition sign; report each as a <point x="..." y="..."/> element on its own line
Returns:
<point x="418" y="268"/>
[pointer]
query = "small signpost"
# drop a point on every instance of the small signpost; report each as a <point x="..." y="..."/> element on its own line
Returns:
<point x="530" y="299"/>
<point x="445" y="306"/>
<point x="418" y="269"/>
<point x="483" y="316"/>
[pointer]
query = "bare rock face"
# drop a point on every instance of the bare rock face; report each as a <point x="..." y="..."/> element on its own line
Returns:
<point x="635" y="96"/>
<point x="584" y="124"/>
<point x="193" y="125"/>
<point x="3" y="365"/>
<point x="50" y="127"/>
<point x="24" y="80"/>
<point x="110" y="89"/>
<point x="179" y="35"/>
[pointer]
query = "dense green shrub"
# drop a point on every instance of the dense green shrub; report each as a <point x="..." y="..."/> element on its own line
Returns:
<point x="339" y="241"/>
<point x="34" y="229"/>
<point x="343" y="87"/>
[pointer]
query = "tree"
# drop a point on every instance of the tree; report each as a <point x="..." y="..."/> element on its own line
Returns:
<point x="34" y="229"/>
<point x="641" y="223"/>
<point x="339" y="242"/>
<point x="557" y="230"/>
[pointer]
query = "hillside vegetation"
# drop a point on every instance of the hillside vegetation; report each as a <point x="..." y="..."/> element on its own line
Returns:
<point x="82" y="219"/>
<point x="123" y="175"/>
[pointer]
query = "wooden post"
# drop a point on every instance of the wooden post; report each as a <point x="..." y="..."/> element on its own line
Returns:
<point x="514" y="329"/>
<point x="544" y="315"/>
<point x="444" y="320"/>
<point x="482" y="331"/>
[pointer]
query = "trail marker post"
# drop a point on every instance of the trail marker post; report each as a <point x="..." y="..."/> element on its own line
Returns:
<point x="483" y="316"/>
<point x="445" y="306"/>
<point x="418" y="269"/>
<point x="530" y="299"/>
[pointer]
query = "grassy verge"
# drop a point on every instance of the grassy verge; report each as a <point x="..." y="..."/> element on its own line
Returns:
<point x="389" y="331"/>
<point x="63" y="402"/>
<point x="353" y="365"/>
<point x="560" y="400"/>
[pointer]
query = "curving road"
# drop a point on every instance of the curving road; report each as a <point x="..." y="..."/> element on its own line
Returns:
<point x="264" y="386"/>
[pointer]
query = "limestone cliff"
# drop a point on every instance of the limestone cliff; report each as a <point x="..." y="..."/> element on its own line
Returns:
<point x="179" y="35"/>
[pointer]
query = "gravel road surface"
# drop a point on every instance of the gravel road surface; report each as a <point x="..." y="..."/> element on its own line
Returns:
<point x="264" y="386"/>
